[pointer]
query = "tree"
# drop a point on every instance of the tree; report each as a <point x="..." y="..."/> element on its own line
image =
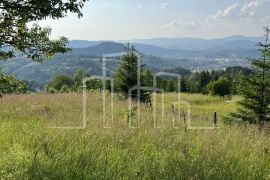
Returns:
<point x="126" y="75"/>
<point x="193" y="84"/>
<point x="9" y="84"/>
<point x="184" y="84"/>
<point x="147" y="78"/>
<point x="94" y="84"/>
<point x="204" y="79"/>
<point x="255" y="89"/>
<point x="15" y="35"/>
<point x="221" y="87"/>
<point x="77" y="79"/>
<point x="162" y="82"/>
<point x="59" y="83"/>
<point x="172" y="85"/>
<point x="33" y="86"/>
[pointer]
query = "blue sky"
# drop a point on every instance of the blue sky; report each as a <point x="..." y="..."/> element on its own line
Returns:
<point x="136" y="19"/>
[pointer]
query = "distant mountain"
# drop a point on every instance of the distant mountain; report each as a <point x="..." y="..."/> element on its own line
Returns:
<point x="154" y="50"/>
<point x="82" y="43"/>
<point x="159" y="53"/>
<point x="180" y="43"/>
<point x="196" y="43"/>
<point x="230" y="47"/>
<point x="233" y="50"/>
<point x="99" y="49"/>
<point x="88" y="59"/>
<point x="236" y="49"/>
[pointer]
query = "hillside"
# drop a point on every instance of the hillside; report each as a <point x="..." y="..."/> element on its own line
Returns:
<point x="156" y="54"/>
<point x="197" y="43"/>
<point x="178" y="48"/>
<point x="89" y="61"/>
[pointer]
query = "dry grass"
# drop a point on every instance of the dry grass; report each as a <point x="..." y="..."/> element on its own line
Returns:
<point x="29" y="149"/>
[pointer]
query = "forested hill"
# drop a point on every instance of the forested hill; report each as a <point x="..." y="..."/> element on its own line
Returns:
<point x="157" y="54"/>
<point x="99" y="49"/>
<point x="87" y="59"/>
<point x="230" y="47"/>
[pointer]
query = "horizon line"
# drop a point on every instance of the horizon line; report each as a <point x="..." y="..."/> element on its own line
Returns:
<point x="168" y="37"/>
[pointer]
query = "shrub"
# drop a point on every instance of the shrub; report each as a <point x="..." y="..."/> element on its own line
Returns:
<point x="221" y="87"/>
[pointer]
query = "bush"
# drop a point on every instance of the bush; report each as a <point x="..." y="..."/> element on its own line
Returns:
<point x="60" y="83"/>
<point x="9" y="84"/>
<point x="221" y="87"/>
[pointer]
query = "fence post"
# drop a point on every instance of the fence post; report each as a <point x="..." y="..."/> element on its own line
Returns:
<point x="184" y="116"/>
<point x="215" y="119"/>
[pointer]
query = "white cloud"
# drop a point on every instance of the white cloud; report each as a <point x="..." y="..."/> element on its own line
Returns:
<point x="256" y="8"/>
<point x="249" y="8"/>
<point x="240" y="18"/>
<point x="164" y="5"/>
<point x="179" y="24"/>
<point x="252" y="9"/>
<point x="226" y="12"/>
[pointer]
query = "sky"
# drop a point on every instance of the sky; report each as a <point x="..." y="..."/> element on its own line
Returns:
<point x="143" y="19"/>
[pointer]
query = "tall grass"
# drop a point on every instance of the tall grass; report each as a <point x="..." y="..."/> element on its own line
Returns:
<point x="30" y="149"/>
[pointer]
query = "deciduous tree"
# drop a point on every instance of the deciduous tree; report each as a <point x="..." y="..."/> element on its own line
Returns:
<point x="16" y="35"/>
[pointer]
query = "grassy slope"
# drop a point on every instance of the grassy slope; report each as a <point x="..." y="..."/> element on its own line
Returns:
<point x="30" y="149"/>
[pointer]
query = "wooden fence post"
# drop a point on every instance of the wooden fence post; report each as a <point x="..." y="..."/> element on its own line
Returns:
<point x="215" y="119"/>
<point x="184" y="116"/>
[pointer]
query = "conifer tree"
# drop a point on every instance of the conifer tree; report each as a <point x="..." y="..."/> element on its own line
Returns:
<point x="126" y="75"/>
<point x="255" y="89"/>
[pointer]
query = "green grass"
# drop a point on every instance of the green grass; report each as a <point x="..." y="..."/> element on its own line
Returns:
<point x="30" y="149"/>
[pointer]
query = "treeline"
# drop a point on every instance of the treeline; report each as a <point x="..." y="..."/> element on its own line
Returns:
<point x="216" y="82"/>
<point x="64" y="83"/>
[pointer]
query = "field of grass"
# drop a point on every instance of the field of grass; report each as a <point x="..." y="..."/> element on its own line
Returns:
<point x="31" y="149"/>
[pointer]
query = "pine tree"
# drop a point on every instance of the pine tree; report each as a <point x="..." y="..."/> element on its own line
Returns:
<point x="255" y="89"/>
<point x="172" y="86"/>
<point x="126" y="75"/>
<point x="204" y="79"/>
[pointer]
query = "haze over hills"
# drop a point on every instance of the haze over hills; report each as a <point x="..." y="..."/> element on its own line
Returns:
<point x="99" y="49"/>
<point x="197" y="43"/>
<point x="159" y="53"/>
<point x="82" y="43"/>
<point x="181" y="43"/>
<point x="230" y="47"/>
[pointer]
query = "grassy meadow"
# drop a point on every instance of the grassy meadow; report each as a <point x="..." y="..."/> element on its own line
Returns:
<point x="31" y="149"/>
